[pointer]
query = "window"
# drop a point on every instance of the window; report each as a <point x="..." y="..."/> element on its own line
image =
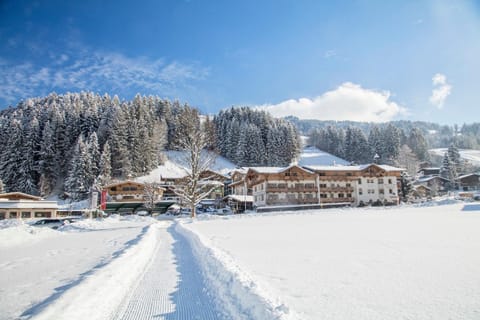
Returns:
<point x="349" y="195"/>
<point x="348" y="185"/>
<point x="389" y="181"/>
<point x="287" y="174"/>
<point x="390" y="191"/>
<point x="13" y="214"/>
<point x="381" y="191"/>
<point x="25" y="214"/>
<point x="42" y="214"/>
<point x="380" y="180"/>
<point x="341" y="195"/>
<point x="308" y="196"/>
<point x="360" y="191"/>
<point x="321" y="174"/>
<point x="359" y="181"/>
<point x="323" y="195"/>
<point x="309" y="185"/>
<point x="323" y="185"/>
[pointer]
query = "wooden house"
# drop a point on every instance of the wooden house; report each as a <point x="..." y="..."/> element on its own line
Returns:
<point x="26" y="206"/>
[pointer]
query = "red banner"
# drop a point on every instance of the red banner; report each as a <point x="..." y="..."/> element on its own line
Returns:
<point x="103" y="200"/>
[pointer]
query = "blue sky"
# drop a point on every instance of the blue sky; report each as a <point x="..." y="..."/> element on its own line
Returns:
<point x="356" y="60"/>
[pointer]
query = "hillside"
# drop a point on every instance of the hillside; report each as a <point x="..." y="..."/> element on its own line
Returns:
<point x="472" y="156"/>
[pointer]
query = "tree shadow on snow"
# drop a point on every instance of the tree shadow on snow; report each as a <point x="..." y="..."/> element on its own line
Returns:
<point x="190" y="298"/>
<point x="60" y="290"/>
<point x="471" y="207"/>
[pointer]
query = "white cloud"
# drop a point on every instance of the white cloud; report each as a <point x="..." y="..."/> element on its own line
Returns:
<point x="347" y="102"/>
<point x="329" y="54"/>
<point x="96" y="71"/>
<point x="440" y="91"/>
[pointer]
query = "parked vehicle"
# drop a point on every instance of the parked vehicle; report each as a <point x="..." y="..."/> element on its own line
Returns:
<point x="224" y="211"/>
<point x="186" y="211"/>
<point x="54" y="223"/>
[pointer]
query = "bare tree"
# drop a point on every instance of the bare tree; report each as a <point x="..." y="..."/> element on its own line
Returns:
<point x="408" y="160"/>
<point x="151" y="192"/>
<point x="191" y="141"/>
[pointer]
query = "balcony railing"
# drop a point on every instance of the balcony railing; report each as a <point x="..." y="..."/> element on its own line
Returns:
<point x="337" y="189"/>
<point x="291" y="189"/>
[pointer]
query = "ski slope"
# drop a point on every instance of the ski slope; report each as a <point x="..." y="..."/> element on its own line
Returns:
<point x="473" y="156"/>
<point x="312" y="156"/>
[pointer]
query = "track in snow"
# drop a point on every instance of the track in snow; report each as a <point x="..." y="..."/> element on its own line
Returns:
<point x="172" y="287"/>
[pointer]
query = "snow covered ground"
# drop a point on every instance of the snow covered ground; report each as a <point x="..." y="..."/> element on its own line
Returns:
<point x="473" y="156"/>
<point x="312" y="156"/>
<point x="409" y="262"/>
<point x="39" y="265"/>
<point x="396" y="263"/>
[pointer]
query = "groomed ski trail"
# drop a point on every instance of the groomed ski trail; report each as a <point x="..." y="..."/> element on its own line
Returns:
<point x="172" y="288"/>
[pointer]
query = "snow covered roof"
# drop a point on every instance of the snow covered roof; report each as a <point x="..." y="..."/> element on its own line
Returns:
<point x="312" y="156"/>
<point x="267" y="169"/>
<point x="428" y="178"/>
<point x="240" y="198"/>
<point x="278" y="169"/>
<point x="18" y="195"/>
<point x="468" y="175"/>
<point x="353" y="168"/>
<point x="123" y="182"/>
<point x="28" y="204"/>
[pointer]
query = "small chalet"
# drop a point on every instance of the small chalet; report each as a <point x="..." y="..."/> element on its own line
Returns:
<point x="25" y="206"/>
<point x="129" y="191"/>
<point x="436" y="184"/>
<point x="215" y="179"/>
<point x="429" y="171"/>
<point x="238" y="185"/>
<point x="421" y="191"/>
<point x="469" y="182"/>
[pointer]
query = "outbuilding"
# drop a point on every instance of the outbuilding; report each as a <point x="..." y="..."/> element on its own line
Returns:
<point x="19" y="205"/>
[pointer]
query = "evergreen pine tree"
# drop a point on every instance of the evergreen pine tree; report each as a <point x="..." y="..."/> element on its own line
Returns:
<point x="48" y="168"/>
<point x="105" y="169"/>
<point x="78" y="182"/>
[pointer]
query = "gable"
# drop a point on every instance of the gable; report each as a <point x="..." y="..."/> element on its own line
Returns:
<point x="373" y="171"/>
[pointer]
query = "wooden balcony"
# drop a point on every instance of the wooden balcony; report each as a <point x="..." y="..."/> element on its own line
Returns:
<point x="290" y="189"/>
<point x="280" y="202"/>
<point x="337" y="189"/>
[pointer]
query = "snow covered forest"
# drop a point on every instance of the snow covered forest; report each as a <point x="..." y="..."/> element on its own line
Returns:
<point x="254" y="138"/>
<point x="64" y="144"/>
<point x="67" y="143"/>
<point x="466" y="136"/>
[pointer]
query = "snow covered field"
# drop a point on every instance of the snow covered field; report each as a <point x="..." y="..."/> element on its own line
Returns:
<point x="394" y="263"/>
<point x="39" y="265"/>
<point x="397" y="263"/>
<point x="473" y="156"/>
